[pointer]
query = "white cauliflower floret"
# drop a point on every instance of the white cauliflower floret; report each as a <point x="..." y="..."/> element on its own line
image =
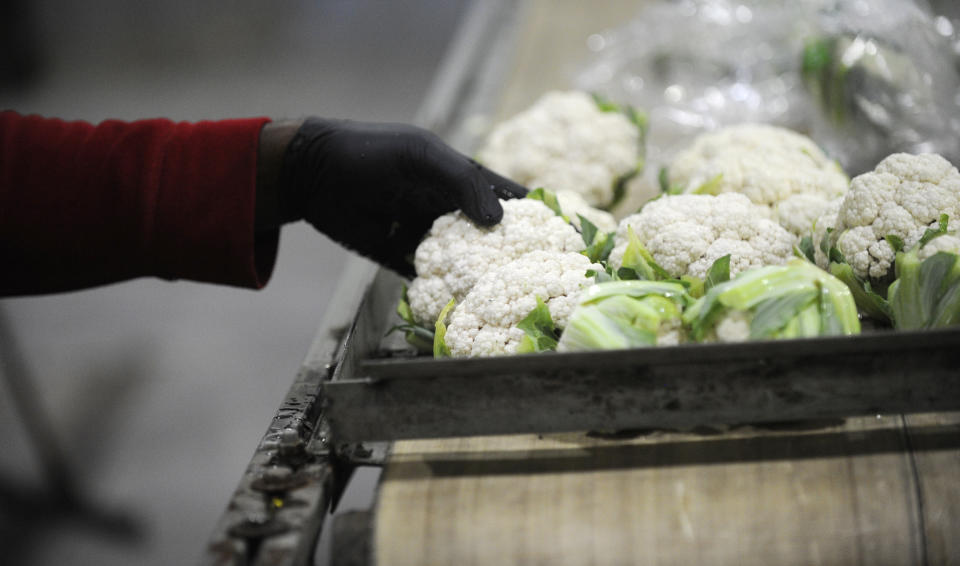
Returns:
<point x="949" y="244"/>
<point x="670" y="333"/>
<point x="799" y="213"/>
<point x="865" y="254"/>
<point x="572" y="204"/>
<point x="903" y="196"/>
<point x="485" y="322"/>
<point x="734" y="326"/>
<point x="565" y="142"/>
<point x="775" y="167"/>
<point x="687" y="233"/>
<point x="456" y="252"/>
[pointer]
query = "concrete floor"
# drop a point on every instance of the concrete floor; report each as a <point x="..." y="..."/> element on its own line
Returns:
<point x="160" y="391"/>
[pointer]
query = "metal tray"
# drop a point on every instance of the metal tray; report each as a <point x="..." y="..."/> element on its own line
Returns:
<point x="380" y="393"/>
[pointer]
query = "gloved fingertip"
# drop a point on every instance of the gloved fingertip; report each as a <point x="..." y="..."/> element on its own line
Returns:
<point x="491" y="219"/>
<point x="510" y="190"/>
<point x="503" y="187"/>
<point x="479" y="203"/>
<point x="488" y="213"/>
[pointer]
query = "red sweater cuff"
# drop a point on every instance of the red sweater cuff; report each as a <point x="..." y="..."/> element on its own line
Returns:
<point x="204" y="216"/>
<point x="83" y="205"/>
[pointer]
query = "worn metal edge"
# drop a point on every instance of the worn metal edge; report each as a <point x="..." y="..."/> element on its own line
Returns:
<point x="673" y="396"/>
<point x="878" y="341"/>
<point x="287" y="443"/>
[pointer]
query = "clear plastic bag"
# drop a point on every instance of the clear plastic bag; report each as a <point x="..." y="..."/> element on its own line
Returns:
<point x="864" y="78"/>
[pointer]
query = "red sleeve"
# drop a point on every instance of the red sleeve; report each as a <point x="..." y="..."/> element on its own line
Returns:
<point x="83" y="205"/>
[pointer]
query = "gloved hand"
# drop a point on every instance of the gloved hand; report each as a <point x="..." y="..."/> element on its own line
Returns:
<point x="377" y="188"/>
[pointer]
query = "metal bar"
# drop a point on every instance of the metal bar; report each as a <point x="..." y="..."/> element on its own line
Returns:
<point x="277" y="511"/>
<point x="876" y="342"/>
<point x="674" y="388"/>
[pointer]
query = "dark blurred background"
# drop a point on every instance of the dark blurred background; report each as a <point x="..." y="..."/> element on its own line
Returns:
<point x="158" y="392"/>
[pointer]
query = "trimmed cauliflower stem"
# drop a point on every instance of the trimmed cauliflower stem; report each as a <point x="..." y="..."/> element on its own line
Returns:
<point x="565" y="142"/>
<point x="456" y="252"/>
<point x="484" y="323"/>
<point x="903" y="196"/>
<point x="775" y="167"/>
<point x="687" y="233"/>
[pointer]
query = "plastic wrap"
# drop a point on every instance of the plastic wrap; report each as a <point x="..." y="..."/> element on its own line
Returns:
<point x="864" y="78"/>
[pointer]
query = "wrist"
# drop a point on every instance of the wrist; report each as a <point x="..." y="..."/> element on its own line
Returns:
<point x="273" y="142"/>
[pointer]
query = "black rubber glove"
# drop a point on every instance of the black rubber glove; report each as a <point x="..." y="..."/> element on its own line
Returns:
<point x="377" y="188"/>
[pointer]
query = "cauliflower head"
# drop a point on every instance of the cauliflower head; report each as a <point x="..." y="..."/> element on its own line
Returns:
<point x="626" y="314"/>
<point x="456" y="252"/>
<point x="565" y="142"/>
<point x="794" y="300"/>
<point x="687" y="233"/>
<point x="485" y="322"/>
<point x="775" y="167"/>
<point x="903" y="196"/>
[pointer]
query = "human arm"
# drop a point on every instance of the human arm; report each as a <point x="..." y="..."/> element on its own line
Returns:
<point x="84" y="205"/>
